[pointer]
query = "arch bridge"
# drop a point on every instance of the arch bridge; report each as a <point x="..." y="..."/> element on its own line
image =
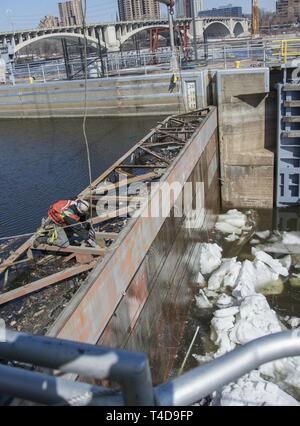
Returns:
<point x="113" y="35"/>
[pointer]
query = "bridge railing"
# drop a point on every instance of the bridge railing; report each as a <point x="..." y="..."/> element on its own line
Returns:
<point x="213" y="55"/>
<point x="286" y="49"/>
<point x="130" y="370"/>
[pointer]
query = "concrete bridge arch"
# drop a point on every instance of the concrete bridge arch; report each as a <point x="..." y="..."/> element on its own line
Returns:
<point x="238" y="29"/>
<point x="217" y="29"/>
<point x="91" y="40"/>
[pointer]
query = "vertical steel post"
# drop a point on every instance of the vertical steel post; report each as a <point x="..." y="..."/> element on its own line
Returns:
<point x="194" y="29"/>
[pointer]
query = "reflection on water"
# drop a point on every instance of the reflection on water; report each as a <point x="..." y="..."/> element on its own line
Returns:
<point x="44" y="160"/>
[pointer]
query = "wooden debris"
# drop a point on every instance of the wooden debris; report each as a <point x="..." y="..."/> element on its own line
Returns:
<point x="44" y="282"/>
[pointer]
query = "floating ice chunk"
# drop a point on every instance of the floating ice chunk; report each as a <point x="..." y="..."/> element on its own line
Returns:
<point x="231" y="223"/>
<point x="264" y="274"/>
<point x="226" y="274"/>
<point x="253" y="390"/>
<point x="256" y="320"/>
<point x="232" y="237"/>
<point x="230" y="279"/>
<point x="202" y="301"/>
<point x="294" y="322"/>
<point x="263" y="235"/>
<point x="220" y="328"/>
<point x="200" y="279"/>
<point x="224" y="301"/>
<point x="228" y="312"/>
<point x="219" y="325"/>
<point x="286" y="261"/>
<point x="254" y="242"/>
<point x="203" y="359"/>
<point x="211" y="294"/>
<point x="274" y="264"/>
<point x="216" y="280"/>
<point x="285" y="372"/>
<point x="291" y="238"/>
<point x="246" y="281"/>
<point x="210" y="258"/>
<point x="227" y="228"/>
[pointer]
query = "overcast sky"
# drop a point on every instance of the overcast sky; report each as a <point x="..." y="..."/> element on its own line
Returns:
<point x="27" y="13"/>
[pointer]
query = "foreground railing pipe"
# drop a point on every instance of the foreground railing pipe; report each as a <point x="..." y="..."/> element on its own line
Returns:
<point x="130" y="370"/>
<point x="200" y="382"/>
<point x="48" y="390"/>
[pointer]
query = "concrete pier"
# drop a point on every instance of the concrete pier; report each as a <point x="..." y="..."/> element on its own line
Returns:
<point x="247" y="159"/>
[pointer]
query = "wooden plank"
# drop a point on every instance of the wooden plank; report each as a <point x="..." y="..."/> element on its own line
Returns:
<point x="44" y="282"/>
<point x="72" y="249"/>
<point x="16" y="254"/>
<point x="126" y="182"/>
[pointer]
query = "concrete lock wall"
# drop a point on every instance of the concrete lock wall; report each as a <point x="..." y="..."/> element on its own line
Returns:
<point x="247" y="162"/>
<point x="141" y="95"/>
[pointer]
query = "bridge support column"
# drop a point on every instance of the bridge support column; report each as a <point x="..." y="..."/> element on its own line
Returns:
<point x="113" y="44"/>
<point x="199" y="29"/>
<point x="231" y="24"/>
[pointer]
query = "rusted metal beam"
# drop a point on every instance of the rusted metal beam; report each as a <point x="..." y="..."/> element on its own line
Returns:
<point x="72" y="249"/>
<point x="120" y="171"/>
<point x="143" y="166"/>
<point x="107" y="235"/>
<point x="170" y="135"/>
<point x="164" y="144"/>
<point x="125" y="182"/>
<point x="111" y="215"/>
<point x="159" y="157"/>
<point x="118" y="198"/>
<point x="44" y="282"/>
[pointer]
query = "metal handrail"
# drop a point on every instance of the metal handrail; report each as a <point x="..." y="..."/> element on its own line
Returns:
<point x="283" y="47"/>
<point x="131" y="370"/>
<point x="200" y="382"/>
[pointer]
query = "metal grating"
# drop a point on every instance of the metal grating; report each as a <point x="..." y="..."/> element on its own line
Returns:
<point x="288" y="145"/>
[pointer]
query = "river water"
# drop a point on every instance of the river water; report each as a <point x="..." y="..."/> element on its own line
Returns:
<point x="45" y="160"/>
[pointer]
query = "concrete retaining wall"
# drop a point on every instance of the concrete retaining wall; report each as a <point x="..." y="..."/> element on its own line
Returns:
<point x="109" y="97"/>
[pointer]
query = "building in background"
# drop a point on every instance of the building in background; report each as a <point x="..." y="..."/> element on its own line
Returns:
<point x="49" y="21"/>
<point x="71" y="13"/>
<point x="130" y="10"/>
<point x="287" y="11"/>
<point x="227" y="10"/>
<point x="184" y="8"/>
